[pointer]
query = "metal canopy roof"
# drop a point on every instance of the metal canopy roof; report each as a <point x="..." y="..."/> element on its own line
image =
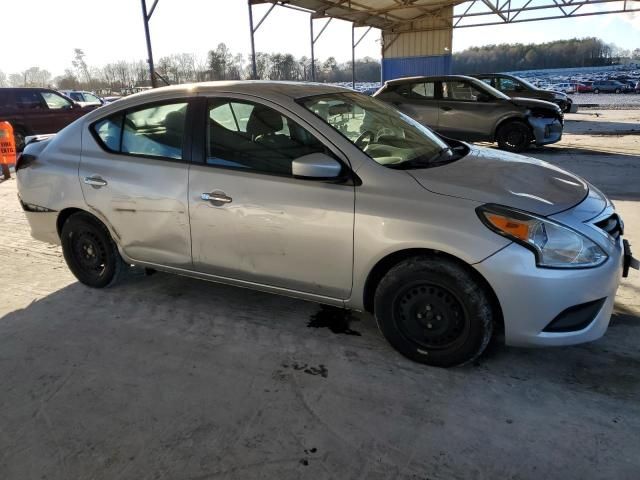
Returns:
<point x="382" y="14"/>
<point x="424" y="15"/>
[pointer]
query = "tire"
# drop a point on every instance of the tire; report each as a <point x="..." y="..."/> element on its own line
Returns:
<point x="514" y="136"/>
<point x="18" y="135"/>
<point x="90" y="252"/>
<point x="596" y="91"/>
<point x="618" y="91"/>
<point x="432" y="311"/>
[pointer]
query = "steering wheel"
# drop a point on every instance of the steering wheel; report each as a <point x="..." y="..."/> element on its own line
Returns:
<point x="360" y="141"/>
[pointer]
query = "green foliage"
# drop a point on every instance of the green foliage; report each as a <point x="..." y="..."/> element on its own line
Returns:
<point x="584" y="52"/>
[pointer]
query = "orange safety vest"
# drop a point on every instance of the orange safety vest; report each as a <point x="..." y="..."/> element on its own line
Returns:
<point x="7" y="144"/>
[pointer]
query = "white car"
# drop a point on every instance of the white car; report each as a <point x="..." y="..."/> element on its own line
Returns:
<point x="83" y="98"/>
<point x="564" y="87"/>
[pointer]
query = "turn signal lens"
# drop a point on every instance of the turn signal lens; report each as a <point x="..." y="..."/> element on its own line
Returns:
<point x="553" y="244"/>
<point x="516" y="228"/>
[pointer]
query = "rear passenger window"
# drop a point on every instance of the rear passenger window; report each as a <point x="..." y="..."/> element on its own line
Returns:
<point x="423" y="90"/>
<point x="156" y="131"/>
<point x="109" y="131"/>
<point x="28" y="100"/>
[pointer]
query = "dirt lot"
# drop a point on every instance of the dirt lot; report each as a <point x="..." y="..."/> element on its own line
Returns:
<point x="165" y="377"/>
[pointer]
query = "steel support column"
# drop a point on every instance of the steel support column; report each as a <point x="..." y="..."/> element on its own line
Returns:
<point x="354" y="44"/>
<point x="254" y="66"/>
<point x="146" y="16"/>
<point x="313" y="44"/>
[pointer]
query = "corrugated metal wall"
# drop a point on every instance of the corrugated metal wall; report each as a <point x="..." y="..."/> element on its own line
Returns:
<point x="419" y="52"/>
<point x="413" y="66"/>
<point x="421" y="43"/>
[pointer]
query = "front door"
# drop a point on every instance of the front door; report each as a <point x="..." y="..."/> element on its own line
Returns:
<point x="134" y="174"/>
<point x="465" y="114"/>
<point x="251" y="220"/>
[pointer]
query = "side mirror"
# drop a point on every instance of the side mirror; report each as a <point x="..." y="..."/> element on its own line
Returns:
<point x="483" y="97"/>
<point x="317" y="166"/>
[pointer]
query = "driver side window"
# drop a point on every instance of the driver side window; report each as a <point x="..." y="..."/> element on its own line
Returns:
<point x="460" y="90"/>
<point x="251" y="136"/>
<point x="55" y="101"/>
<point x="508" y="85"/>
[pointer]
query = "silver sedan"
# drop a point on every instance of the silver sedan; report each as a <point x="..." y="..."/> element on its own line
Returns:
<point x="325" y="194"/>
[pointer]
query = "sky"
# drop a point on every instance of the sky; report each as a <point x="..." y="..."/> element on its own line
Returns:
<point x="112" y="30"/>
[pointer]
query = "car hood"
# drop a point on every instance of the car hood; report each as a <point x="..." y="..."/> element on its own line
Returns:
<point x="491" y="176"/>
<point x="534" y="103"/>
<point x="553" y="93"/>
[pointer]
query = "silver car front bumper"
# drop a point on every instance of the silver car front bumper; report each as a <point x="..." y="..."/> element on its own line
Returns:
<point x="546" y="130"/>
<point x="532" y="297"/>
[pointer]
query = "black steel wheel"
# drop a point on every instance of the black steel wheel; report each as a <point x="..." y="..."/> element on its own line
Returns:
<point x="514" y="136"/>
<point x="433" y="310"/>
<point x="89" y="251"/>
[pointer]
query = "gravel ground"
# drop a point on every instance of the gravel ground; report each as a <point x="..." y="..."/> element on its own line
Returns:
<point x="608" y="100"/>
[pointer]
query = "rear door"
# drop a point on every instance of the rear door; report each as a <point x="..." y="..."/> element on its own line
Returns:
<point x="418" y="100"/>
<point x="134" y="174"/>
<point x="269" y="227"/>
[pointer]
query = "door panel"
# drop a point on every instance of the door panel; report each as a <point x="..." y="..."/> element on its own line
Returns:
<point x="463" y="116"/>
<point x="143" y="199"/>
<point x="278" y="231"/>
<point x="418" y="101"/>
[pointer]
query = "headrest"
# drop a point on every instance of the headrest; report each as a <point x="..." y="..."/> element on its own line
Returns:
<point x="174" y="121"/>
<point x="264" y="120"/>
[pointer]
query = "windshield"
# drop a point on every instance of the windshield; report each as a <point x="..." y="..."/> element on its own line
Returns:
<point x="388" y="136"/>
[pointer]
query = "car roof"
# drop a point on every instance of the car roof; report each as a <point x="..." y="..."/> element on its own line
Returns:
<point x="266" y="89"/>
<point x="256" y="87"/>
<point x="400" y="81"/>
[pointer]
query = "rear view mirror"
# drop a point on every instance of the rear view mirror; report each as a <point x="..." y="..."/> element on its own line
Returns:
<point x="316" y="166"/>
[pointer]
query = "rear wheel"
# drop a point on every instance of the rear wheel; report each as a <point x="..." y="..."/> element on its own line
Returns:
<point x="618" y="90"/>
<point x="514" y="136"/>
<point x="433" y="311"/>
<point x="596" y="90"/>
<point x="90" y="252"/>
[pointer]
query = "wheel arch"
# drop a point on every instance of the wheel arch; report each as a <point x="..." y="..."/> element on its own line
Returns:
<point x="512" y="118"/>
<point x="386" y="263"/>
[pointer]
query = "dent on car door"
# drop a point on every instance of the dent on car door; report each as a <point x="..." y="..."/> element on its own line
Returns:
<point x="463" y="115"/>
<point x="251" y="220"/>
<point x="134" y="174"/>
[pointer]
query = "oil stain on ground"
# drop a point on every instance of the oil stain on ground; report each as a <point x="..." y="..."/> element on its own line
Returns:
<point x="337" y="320"/>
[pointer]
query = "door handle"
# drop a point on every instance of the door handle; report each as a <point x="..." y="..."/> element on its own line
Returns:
<point x="95" y="181"/>
<point x="446" y="109"/>
<point x="216" y="198"/>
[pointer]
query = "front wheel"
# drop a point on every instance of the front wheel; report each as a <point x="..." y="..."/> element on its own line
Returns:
<point x="433" y="311"/>
<point x="618" y="90"/>
<point x="90" y="253"/>
<point x="514" y="136"/>
<point x="597" y="90"/>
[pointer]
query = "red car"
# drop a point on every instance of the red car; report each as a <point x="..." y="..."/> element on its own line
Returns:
<point x="584" y="87"/>
<point x="35" y="111"/>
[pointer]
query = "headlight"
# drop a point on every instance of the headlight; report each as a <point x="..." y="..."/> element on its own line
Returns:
<point x="554" y="245"/>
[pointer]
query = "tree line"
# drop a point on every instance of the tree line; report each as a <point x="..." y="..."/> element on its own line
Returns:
<point x="584" y="52"/>
<point x="219" y="64"/>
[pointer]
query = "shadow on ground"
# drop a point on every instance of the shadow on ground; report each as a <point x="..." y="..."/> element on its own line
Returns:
<point x="171" y="377"/>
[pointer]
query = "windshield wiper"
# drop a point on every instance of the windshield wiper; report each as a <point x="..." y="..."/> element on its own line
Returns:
<point x="421" y="162"/>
